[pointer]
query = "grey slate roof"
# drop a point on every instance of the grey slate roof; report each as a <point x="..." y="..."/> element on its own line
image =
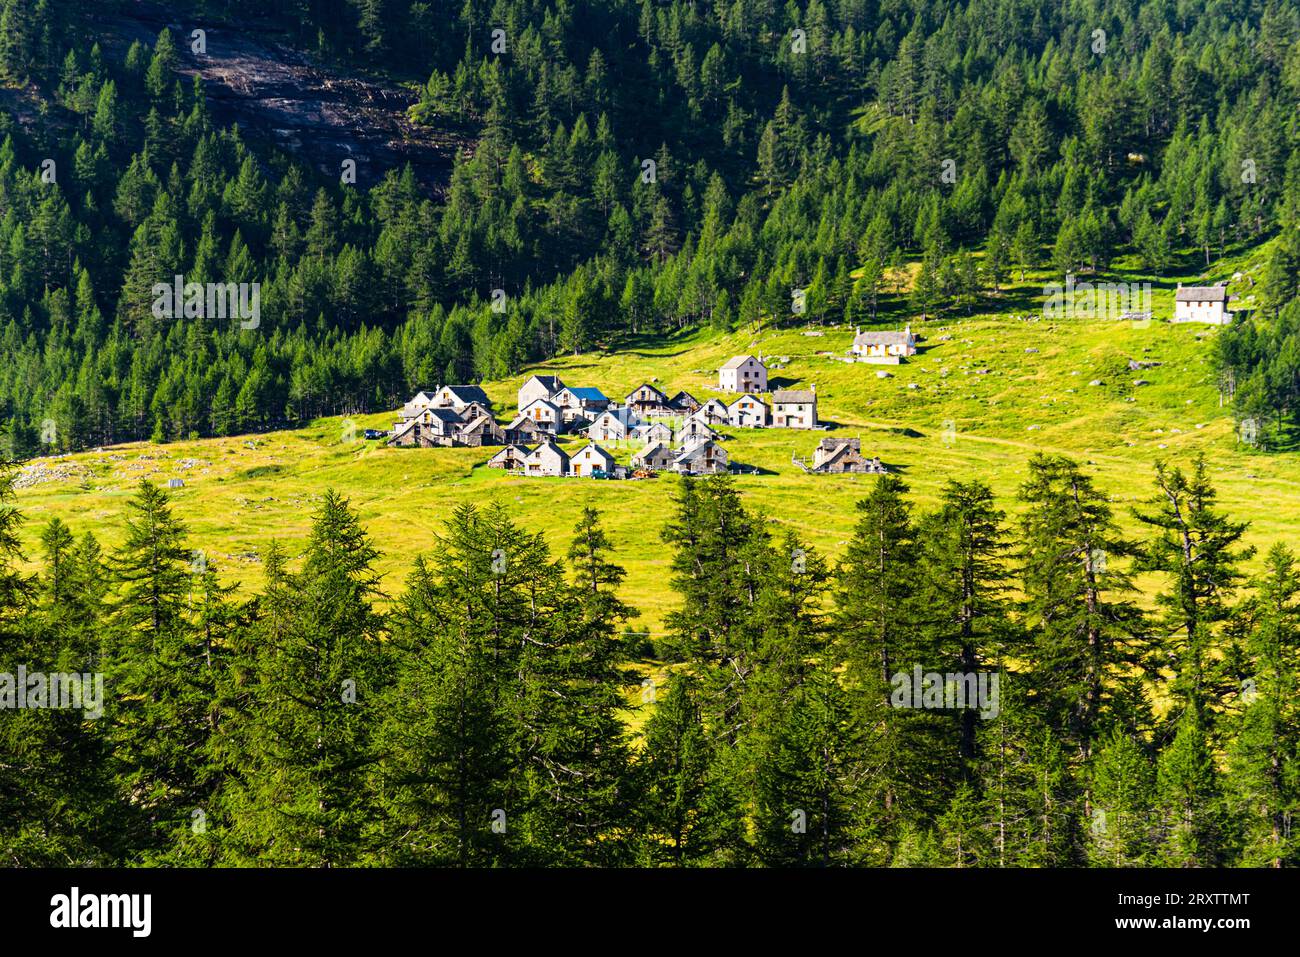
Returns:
<point x="883" y="337"/>
<point x="1202" y="294"/>
<point x="469" y="393"/>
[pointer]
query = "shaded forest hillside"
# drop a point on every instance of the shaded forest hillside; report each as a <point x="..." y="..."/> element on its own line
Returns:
<point x="627" y="168"/>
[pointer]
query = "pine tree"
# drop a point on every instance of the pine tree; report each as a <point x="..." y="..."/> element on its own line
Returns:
<point x="876" y="623"/>
<point x="963" y="580"/>
<point x="1087" y="632"/>
<point x="1121" y="826"/>
<point x="304" y="745"/>
<point x="687" y="815"/>
<point x="807" y="762"/>
<point x="1263" y="782"/>
<point x="445" y="738"/>
<point x="579" y="763"/>
<point x="1189" y="799"/>
<point x="162" y="673"/>
<point x="1196" y="546"/>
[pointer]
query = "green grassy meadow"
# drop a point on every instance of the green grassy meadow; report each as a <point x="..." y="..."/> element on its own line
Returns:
<point x="984" y="393"/>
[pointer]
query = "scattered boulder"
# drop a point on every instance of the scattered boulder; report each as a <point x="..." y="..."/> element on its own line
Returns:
<point x="882" y="374"/>
<point x="1096" y="382"/>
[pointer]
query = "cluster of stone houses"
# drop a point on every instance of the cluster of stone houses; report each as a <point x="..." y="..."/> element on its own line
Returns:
<point x="790" y="409"/>
<point x="547" y="458"/>
<point x="450" y="415"/>
<point x="677" y="433"/>
<point x="843" y="455"/>
<point x="673" y="437"/>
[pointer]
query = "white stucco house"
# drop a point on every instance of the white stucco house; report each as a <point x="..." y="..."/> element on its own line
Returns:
<point x="1208" y="304"/>
<point x="885" y="347"/>
<point x="742" y="374"/>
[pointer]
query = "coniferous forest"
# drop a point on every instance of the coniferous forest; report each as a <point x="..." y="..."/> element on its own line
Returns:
<point x="625" y="169"/>
<point x="482" y="718"/>
<point x="793" y="146"/>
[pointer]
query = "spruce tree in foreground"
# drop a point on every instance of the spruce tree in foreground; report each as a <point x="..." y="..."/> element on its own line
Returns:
<point x="161" y="677"/>
<point x="1264" y="758"/>
<point x="1196" y="547"/>
<point x="1121" y="823"/>
<point x="445" y="741"/>
<point x="304" y="749"/>
<point x="963" y="584"/>
<point x="686" y="812"/>
<point x="876" y="628"/>
<point x="1087" y="631"/>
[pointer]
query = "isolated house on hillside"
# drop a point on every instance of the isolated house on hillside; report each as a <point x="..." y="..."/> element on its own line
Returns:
<point x="794" y="408"/>
<point x="547" y="459"/>
<point x="742" y="374"/>
<point x="883" y="346"/>
<point x="707" y="458"/>
<point x="539" y="387"/>
<point x="511" y="458"/>
<point x="545" y="414"/>
<point x="1208" y="304"/>
<point x="657" y="457"/>
<point x="844" y="455"/>
<point x="589" y="458"/>
<point x="748" y="412"/>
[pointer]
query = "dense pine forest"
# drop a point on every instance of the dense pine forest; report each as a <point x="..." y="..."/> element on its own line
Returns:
<point x="486" y="717"/>
<point x="977" y="681"/>
<point x="632" y="168"/>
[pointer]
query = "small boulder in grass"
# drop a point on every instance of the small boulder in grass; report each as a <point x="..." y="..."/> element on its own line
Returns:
<point x="882" y="374"/>
<point x="1096" y="382"/>
<point x="1141" y="382"/>
<point x="1031" y="349"/>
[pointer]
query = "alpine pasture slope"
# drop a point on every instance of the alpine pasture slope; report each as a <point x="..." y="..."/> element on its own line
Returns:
<point x="984" y="393"/>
